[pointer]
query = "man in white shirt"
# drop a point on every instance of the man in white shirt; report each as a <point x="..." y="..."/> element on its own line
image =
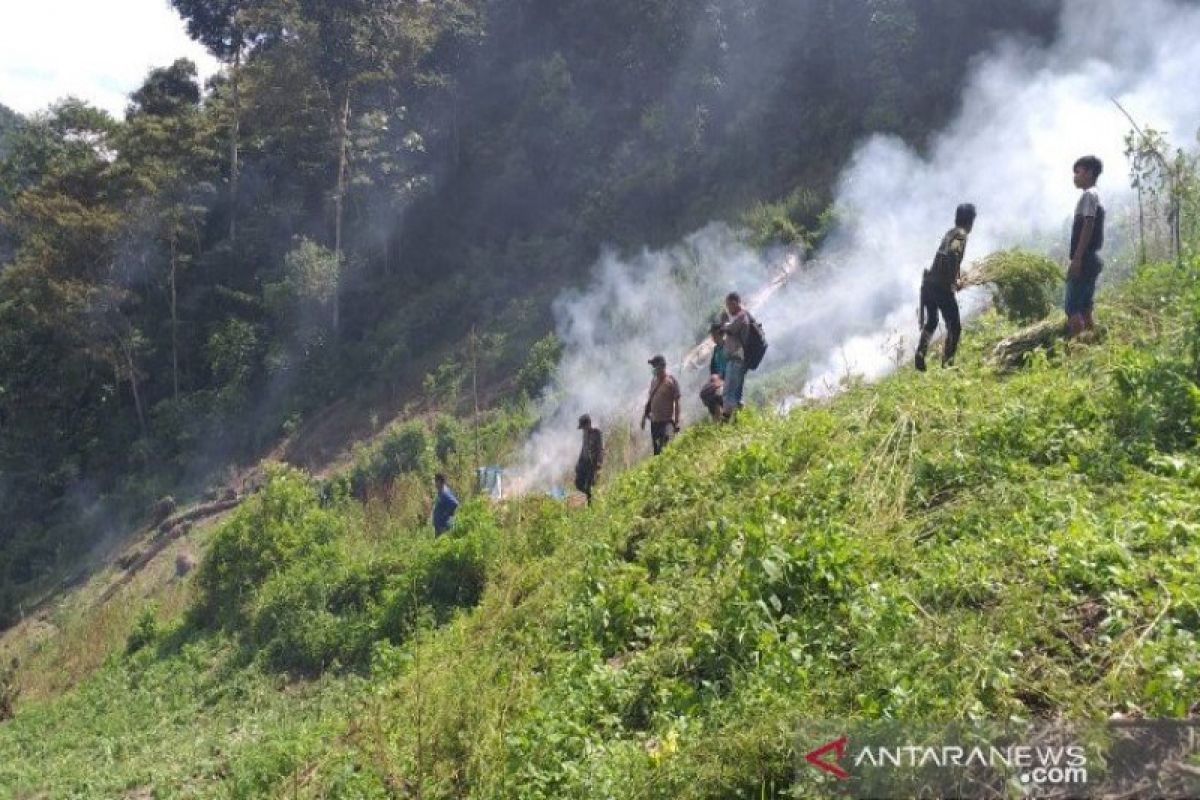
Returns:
<point x="1087" y="237"/>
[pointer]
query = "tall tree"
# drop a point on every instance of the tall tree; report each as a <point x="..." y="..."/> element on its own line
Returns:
<point x="357" y="44"/>
<point x="164" y="163"/>
<point x="227" y="28"/>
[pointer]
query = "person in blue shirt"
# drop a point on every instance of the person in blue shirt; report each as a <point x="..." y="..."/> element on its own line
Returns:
<point x="444" y="505"/>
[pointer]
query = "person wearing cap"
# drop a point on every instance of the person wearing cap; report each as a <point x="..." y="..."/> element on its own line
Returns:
<point x="710" y="395"/>
<point x="590" y="458"/>
<point x="662" y="406"/>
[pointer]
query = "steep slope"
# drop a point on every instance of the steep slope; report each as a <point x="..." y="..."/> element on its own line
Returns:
<point x="490" y="152"/>
<point x="954" y="545"/>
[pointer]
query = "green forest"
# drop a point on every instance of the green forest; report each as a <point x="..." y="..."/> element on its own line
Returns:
<point x="365" y="183"/>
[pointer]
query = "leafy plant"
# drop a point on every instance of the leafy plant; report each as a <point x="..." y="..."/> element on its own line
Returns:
<point x="1026" y="286"/>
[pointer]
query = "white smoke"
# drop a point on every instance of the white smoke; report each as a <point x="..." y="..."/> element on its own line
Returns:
<point x="656" y="303"/>
<point x="1027" y="113"/>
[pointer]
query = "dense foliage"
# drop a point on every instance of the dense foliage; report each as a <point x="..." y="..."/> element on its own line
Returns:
<point x="9" y="122"/>
<point x="366" y="181"/>
<point x="964" y="544"/>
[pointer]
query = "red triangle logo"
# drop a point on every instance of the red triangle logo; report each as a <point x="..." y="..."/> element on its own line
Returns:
<point x="837" y="746"/>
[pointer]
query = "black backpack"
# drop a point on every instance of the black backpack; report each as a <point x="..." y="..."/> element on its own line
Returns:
<point x="756" y="344"/>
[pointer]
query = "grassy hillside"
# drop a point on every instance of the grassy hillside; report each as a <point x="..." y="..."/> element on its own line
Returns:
<point x="954" y="545"/>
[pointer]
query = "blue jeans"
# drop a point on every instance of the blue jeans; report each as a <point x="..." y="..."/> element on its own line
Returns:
<point x="735" y="379"/>
<point x="1081" y="291"/>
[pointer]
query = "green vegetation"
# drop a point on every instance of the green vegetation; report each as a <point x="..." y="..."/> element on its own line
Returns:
<point x="374" y="196"/>
<point x="962" y="544"/>
<point x="1026" y="286"/>
<point x="9" y="122"/>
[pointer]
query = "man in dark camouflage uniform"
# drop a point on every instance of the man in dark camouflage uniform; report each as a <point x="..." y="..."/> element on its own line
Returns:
<point x="939" y="285"/>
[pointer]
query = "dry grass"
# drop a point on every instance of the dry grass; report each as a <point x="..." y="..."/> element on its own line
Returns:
<point x="64" y="643"/>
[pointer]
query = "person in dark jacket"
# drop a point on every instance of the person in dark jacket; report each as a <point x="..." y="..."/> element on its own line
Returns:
<point x="939" y="285"/>
<point x="591" y="457"/>
<point x="444" y="505"/>
<point x="711" y="394"/>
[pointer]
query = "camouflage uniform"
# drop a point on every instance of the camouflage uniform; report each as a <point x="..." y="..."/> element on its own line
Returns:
<point x="937" y="296"/>
<point x="591" y="458"/>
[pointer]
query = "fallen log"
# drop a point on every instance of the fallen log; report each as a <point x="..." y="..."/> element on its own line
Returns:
<point x="199" y="512"/>
<point x="168" y="531"/>
<point x="1013" y="351"/>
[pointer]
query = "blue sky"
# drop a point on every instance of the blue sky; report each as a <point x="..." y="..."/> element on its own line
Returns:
<point x="97" y="50"/>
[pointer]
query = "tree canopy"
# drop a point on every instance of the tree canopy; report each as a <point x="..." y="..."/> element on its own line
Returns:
<point x="367" y="182"/>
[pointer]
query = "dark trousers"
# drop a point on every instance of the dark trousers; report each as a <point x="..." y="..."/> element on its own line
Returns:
<point x="937" y="300"/>
<point x="585" y="479"/>
<point x="660" y="434"/>
<point x="710" y="396"/>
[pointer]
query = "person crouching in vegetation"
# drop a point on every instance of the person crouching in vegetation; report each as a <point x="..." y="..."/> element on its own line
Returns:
<point x="710" y="395"/>
<point x="591" y="458"/>
<point x="736" y="327"/>
<point x="1087" y="237"/>
<point x="662" y="406"/>
<point x="939" y="285"/>
<point x="444" y="505"/>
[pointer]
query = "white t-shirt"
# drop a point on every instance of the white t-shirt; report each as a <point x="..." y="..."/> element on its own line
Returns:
<point x="1089" y="203"/>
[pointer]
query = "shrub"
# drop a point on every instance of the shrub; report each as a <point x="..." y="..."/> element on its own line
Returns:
<point x="540" y="366"/>
<point x="448" y="436"/>
<point x="1025" y="285"/>
<point x="145" y="630"/>
<point x="798" y="219"/>
<point x="449" y="574"/>
<point x="329" y="605"/>
<point x="400" y="450"/>
<point x="1156" y="404"/>
<point x="403" y="449"/>
<point x="273" y="529"/>
<point x="319" y="612"/>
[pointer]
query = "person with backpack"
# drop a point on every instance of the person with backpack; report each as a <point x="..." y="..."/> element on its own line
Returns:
<point x="662" y="405"/>
<point x="939" y="285"/>
<point x="1087" y="237"/>
<point x="710" y="395"/>
<point x="590" y="458"/>
<point x="745" y="345"/>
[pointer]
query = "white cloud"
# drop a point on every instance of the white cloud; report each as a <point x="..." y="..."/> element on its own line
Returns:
<point x="98" y="50"/>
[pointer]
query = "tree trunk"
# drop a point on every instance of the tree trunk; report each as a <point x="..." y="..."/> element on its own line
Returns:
<point x="133" y="384"/>
<point x="234" y="133"/>
<point x="1011" y="352"/>
<point x="1177" y="224"/>
<point x="174" y="321"/>
<point x="339" y="196"/>
<point x="1141" y="228"/>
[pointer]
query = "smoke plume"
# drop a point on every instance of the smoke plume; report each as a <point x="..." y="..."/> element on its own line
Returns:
<point x="1027" y="112"/>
